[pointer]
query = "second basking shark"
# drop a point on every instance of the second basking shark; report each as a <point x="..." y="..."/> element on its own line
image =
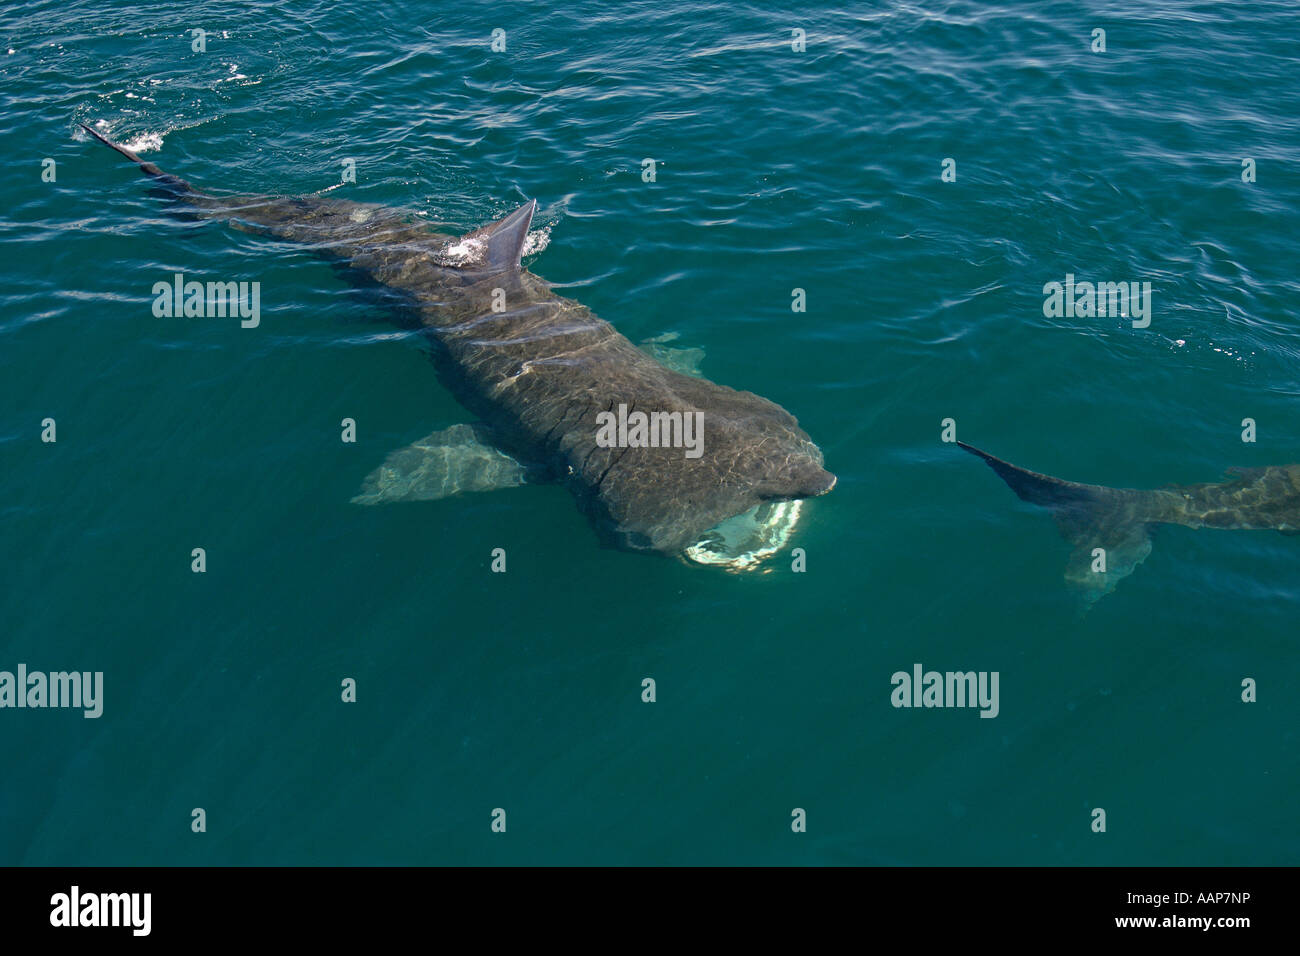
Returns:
<point x="543" y="375"/>
<point x="1110" y="528"/>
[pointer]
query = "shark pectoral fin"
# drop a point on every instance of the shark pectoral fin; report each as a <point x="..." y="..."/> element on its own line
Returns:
<point x="685" y="361"/>
<point x="455" y="459"/>
<point x="1104" y="556"/>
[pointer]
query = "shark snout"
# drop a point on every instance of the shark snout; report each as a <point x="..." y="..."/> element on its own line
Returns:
<point x="812" y="481"/>
<point x="805" y="484"/>
<point x="824" y="483"/>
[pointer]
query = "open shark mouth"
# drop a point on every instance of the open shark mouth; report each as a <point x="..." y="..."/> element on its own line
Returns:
<point x="745" y="541"/>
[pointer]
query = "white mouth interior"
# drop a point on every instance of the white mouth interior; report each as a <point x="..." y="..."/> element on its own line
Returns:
<point x="743" y="542"/>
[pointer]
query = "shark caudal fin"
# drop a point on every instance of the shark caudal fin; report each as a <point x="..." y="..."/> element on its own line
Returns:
<point x="1108" y="527"/>
<point x="173" y="185"/>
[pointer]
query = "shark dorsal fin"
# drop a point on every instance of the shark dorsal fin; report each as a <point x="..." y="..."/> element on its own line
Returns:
<point x="503" y="240"/>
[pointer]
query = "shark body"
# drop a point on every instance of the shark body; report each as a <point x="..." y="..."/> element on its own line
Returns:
<point x="537" y="369"/>
<point x="1118" y="521"/>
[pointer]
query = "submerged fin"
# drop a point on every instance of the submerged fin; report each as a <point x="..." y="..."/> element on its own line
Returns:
<point x="1105" y="525"/>
<point x="445" y="463"/>
<point x="1104" y="556"/>
<point x="503" y="240"/>
<point x="686" y="361"/>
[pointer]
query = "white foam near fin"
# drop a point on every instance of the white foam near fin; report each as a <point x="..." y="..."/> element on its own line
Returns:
<point x="460" y="252"/>
<point x="536" y="241"/>
<point x="145" y="143"/>
<point x="745" y="541"/>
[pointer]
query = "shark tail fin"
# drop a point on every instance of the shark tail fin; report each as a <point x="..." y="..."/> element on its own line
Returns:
<point x="1107" y="527"/>
<point x="503" y="240"/>
<point x="173" y="185"/>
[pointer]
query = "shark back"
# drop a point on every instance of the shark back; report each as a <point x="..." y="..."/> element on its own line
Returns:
<point x="1255" y="498"/>
<point x="540" y="368"/>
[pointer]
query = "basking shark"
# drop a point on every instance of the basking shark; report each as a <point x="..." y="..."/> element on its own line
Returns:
<point x="1118" y="521"/>
<point x="541" y="373"/>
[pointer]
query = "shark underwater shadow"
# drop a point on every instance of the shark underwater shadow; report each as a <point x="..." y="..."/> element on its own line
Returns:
<point x="538" y="372"/>
<point x="1110" y="528"/>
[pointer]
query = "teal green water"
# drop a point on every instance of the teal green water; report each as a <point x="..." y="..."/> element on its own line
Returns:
<point x="777" y="170"/>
